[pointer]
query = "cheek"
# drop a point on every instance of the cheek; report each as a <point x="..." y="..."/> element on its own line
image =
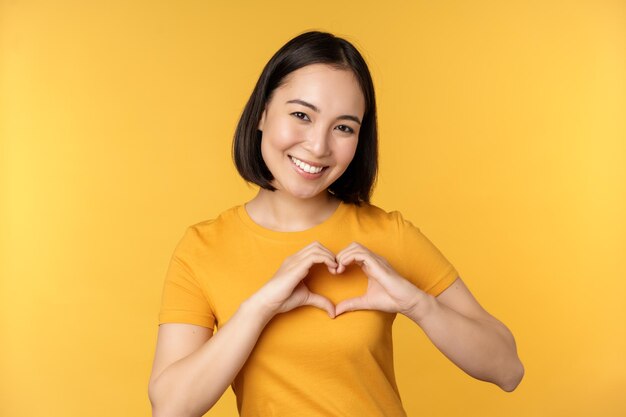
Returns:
<point x="345" y="152"/>
<point x="283" y="134"/>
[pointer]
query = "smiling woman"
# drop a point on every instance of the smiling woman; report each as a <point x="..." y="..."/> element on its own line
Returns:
<point x="302" y="283"/>
<point x="318" y="141"/>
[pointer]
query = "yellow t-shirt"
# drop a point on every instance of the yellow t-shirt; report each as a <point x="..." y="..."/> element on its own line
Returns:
<point x="304" y="362"/>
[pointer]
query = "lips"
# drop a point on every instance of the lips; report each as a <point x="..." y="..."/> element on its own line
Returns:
<point x="312" y="164"/>
<point x="302" y="169"/>
<point x="307" y="167"/>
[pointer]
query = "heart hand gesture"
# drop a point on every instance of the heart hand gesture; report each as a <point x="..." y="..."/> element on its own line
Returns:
<point x="286" y="291"/>
<point x="386" y="289"/>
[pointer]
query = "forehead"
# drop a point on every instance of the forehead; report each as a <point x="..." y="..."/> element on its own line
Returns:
<point x="327" y="87"/>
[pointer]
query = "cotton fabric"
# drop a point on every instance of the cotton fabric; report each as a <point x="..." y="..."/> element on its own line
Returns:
<point x="304" y="363"/>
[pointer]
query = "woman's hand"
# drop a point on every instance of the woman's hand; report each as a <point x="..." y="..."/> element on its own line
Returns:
<point x="386" y="289"/>
<point x="286" y="291"/>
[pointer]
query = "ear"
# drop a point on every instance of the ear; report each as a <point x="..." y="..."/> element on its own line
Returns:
<point x="262" y="121"/>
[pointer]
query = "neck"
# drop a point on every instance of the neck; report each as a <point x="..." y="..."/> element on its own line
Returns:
<point x="283" y="212"/>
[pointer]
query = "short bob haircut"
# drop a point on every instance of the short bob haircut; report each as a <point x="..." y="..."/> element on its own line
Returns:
<point x="355" y="185"/>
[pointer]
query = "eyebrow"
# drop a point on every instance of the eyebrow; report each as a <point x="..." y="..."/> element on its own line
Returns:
<point x="317" y="110"/>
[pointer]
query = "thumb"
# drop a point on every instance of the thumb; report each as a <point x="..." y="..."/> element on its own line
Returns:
<point x="352" y="304"/>
<point x="321" y="302"/>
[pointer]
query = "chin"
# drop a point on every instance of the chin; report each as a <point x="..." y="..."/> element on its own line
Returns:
<point x="302" y="194"/>
<point x="306" y="196"/>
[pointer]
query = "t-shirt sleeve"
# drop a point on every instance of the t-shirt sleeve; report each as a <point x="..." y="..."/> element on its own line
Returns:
<point x="183" y="299"/>
<point x="422" y="263"/>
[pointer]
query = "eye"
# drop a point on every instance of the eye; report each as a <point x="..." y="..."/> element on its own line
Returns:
<point x="300" y="115"/>
<point x="345" y="129"/>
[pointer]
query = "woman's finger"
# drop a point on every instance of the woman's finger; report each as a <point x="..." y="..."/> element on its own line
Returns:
<point x="314" y="247"/>
<point x="356" y="255"/>
<point x="370" y="264"/>
<point x="321" y="302"/>
<point x="318" y="258"/>
<point x="352" y="304"/>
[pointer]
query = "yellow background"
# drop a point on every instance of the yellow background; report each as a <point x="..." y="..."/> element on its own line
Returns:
<point x="502" y="135"/>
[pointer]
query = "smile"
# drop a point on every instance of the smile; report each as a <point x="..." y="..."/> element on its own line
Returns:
<point x="311" y="169"/>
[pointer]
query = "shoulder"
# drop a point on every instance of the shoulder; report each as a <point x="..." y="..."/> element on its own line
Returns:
<point x="371" y="212"/>
<point x="209" y="231"/>
<point x="372" y="217"/>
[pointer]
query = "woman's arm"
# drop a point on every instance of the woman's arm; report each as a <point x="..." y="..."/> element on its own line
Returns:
<point x="192" y="369"/>
<point x="454" y="321"/>
<point x="469" y="336"/>
<point x="187" y="379"/>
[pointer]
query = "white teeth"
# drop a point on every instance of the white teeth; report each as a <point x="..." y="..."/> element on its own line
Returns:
<point x="306" y="167"/>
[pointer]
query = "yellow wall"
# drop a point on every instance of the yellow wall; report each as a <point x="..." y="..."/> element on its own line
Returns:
<point x="502" y="136"/>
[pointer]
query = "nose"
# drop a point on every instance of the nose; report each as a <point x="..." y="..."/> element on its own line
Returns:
<point x="318" y="142"/>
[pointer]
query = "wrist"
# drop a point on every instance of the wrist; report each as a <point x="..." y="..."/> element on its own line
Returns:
<point x="424" y="306"/>
<point x="258" y="309"/>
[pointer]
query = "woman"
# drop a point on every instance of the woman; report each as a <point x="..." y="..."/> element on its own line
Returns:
<point x="304" y="281"/>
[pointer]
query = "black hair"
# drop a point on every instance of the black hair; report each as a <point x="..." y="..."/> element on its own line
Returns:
<point x="356" y="184"/>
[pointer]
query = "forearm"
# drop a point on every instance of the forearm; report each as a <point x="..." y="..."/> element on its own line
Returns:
<point x="484" y="349"/>
<point x="192" y="385"/>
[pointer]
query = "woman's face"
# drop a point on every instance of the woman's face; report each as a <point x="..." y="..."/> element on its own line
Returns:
<point x="310" y="129"/>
